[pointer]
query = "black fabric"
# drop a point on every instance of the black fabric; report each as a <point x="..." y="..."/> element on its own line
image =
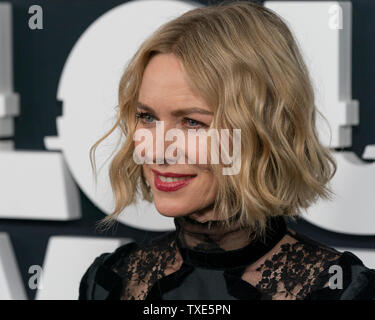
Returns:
<point x="215" y="286"/>
<point x="89" y="282"/>
<point x="169" y="282"/>
<point x="207" y="261"/>
<point x="352" y="267"/>
<point x="99" y="281"/>
<point x="231" y="258"/>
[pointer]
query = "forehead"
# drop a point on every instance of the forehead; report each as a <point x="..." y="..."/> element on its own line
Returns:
<point x="164" y="85"/>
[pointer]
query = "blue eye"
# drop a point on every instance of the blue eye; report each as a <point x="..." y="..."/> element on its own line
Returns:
<point x="148" y="118"/>
<point x="145" y="116"/>
<point x="194" y="123"/>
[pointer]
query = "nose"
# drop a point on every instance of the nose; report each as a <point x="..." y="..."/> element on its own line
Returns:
<point x="169" y="144"/>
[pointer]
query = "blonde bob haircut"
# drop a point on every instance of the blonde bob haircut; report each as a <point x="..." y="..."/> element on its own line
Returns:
<point x="243" y="60"/>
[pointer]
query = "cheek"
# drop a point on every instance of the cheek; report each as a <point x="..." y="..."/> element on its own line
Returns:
<point x="197" y="150"/>
<point x="146" y="172"/>
<point x="207" y="184"/>
<point x="201" y="149"/>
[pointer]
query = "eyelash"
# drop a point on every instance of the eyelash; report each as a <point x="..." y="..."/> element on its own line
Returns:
<point x="142" y="115"/>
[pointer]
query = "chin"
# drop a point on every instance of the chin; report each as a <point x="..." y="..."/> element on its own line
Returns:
<point x="171" y="210"/>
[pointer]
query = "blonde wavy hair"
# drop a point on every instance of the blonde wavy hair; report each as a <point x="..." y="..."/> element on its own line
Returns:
<point x="243" y="60"/>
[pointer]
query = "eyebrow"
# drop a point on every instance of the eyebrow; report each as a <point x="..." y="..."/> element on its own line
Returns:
<point x="176" y="113"/>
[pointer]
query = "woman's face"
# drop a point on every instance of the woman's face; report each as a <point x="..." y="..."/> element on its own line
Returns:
<point x="165" y="96"/>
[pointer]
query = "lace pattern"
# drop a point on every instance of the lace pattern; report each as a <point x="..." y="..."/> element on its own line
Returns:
<point x="296" y="269"/>
<point x="141" y="269"/>
<point x="290" y="271"/>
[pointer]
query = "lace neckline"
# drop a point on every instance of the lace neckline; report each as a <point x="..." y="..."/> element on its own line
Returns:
<point x="212" y="246"/>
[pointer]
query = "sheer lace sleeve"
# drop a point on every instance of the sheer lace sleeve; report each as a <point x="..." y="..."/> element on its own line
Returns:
<point x="293" y="269"/>
<point x="142" y="268"/>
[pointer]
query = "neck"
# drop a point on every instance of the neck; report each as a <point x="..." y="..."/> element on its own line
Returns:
<point x="212" y="236"/>
<point x="210" y="244"/>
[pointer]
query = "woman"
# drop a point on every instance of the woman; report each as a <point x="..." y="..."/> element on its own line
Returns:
<point x="229" y="66"/>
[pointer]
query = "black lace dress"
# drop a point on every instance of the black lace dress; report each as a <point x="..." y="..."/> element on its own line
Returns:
<point x="202" y="261"/>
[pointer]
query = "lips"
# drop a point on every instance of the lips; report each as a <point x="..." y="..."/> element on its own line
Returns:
<point x="169" y="181"/>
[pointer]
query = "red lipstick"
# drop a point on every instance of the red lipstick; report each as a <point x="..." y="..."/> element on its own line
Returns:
<point x="173" y="185"/>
